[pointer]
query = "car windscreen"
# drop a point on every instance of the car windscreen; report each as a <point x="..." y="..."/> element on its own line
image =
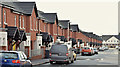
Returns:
<point x="86" y="48"/>
<point x="8" y="55"/>
<point x="59" y="49"/>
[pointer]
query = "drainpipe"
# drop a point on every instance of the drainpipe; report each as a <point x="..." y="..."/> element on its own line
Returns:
<point x="57" y="30"/>
<point x="19" y="22"/>
<point x="62" y="31"/>
<point x="2" y="16"/>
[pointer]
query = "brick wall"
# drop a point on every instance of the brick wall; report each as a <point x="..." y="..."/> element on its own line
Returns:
<point x="65" y="33"/>
<point x="59" y="31"/>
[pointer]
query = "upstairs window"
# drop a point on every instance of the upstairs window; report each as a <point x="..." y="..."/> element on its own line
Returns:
<point x="23" y="23"/>
<point x="5" y="18"/>
<point x="44" y="28"/>
<point x="15" y="21"/>
<point x="30" y="23"/>
<point x="39" y="26"/>
<point x="4" y="41"/>
<point x="36" y="25"/>
<point x="20" y="22"/>
<point x="0" y="41"/>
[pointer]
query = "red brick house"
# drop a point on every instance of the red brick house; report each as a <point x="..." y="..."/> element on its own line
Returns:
<point x="64" y="31"/>
<point x="51" y="23"/>
<point x="19" y="17"/>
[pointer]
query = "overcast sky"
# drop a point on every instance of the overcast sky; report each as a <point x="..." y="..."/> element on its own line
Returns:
<point x="98" y="16"/>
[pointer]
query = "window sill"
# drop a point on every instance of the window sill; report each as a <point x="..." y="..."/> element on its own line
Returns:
<point x="3" y="45"/>
<point x="31" y="29"/>
<point x="23" y="28"/>
<point x="55" y="34"/>
<point x="5" y="23"/>
<point x="20" y="28"/>
<point x="34" y="30"/>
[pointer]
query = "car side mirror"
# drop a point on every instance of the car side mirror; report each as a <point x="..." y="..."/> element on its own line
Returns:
<point x="72" y="50"/>
<point x="29" y="58"/>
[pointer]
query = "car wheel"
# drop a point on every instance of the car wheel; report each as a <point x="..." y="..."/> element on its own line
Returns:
<point x="51" y="62"/>
<point x="72" y="61"/>
<point x="31" y="65"/>
<point x="68" y="62"/>
<point x="75" y="59"/>
<point x="82" y="54"/>
<point x="90" y="54"/>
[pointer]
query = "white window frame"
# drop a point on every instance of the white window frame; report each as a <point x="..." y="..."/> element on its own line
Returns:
<point x="20" y="22"/>
<point x="4" y="42"/>
<point x="15" y="21"/>
<point x="23" y="23"/>
<point x="0" y="41"/>
<point x="5" y="18"/>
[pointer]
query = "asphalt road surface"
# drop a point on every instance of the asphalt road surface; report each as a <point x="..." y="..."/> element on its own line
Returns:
<point x="107" y="57"/>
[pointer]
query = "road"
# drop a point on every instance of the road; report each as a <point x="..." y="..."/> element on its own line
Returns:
<point x="107" y="57"/>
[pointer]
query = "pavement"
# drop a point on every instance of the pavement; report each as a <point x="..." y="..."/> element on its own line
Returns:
<point x="39" y="61"/>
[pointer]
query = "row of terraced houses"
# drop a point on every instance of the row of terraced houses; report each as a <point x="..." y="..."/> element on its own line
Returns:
<point x="23" y="27"/>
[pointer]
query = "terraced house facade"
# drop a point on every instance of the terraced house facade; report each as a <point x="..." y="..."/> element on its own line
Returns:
<point x="23" y="27"/>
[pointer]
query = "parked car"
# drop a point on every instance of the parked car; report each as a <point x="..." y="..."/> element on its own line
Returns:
<point x="116" y="47"/>
<point x="119" y="48"/>
<point x="61" y="53"/>
<point x="74" y="55"/>
<point x="87" y="51"/>
<point x="106" y="48"/>
<point x="14" y="59"/>
<point x="95" y="50"/>
<point x="101" y="49"/>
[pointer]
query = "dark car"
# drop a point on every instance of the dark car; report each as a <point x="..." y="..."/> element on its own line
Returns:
<point x="60" y="53"/>
<point x="14" y="59"/>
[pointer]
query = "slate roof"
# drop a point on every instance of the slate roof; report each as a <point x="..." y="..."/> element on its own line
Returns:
<point x="23" y="35"/>
<point x="23" y="7"/>
<point x="39" y="14"/>
<point x="8" y="0"/>
<point x="63" y="23"/>
<point x="74" y="27"/>
<point x="91" y="35"/>
<point x="117" y="36"/>
<point x="106" y="37"/>
<point x="50" y="17"/>
<point x="13" y="33"/>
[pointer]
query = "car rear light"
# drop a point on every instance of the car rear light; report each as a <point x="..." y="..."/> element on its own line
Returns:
<point x="67" y="54"/>
<point x="15" y="61"/>
<point x="50" y="54"/>
<point x="18" y="61"/>
<point x="51" y="60"/>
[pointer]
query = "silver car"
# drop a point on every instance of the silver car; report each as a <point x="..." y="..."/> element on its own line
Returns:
<point x="60" y="53"/>
<point x="95" y="50"/>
